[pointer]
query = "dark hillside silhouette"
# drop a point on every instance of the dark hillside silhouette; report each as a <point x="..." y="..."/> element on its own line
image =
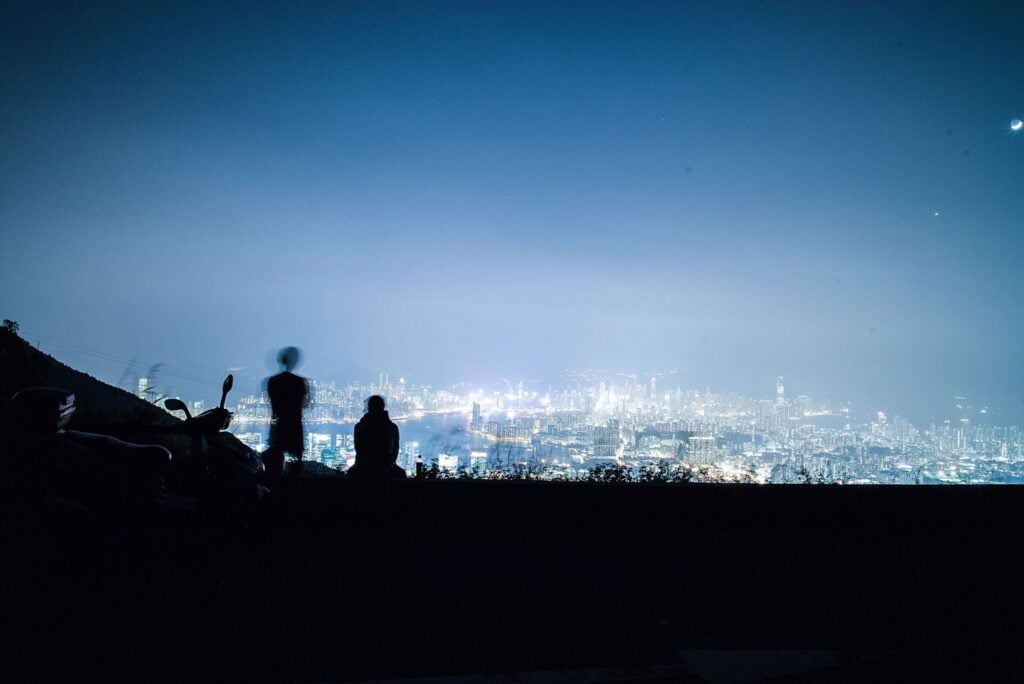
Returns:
<point x="99" y="407"/>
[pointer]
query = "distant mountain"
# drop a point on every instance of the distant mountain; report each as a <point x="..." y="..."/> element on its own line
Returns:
<point x="99" y="407"/>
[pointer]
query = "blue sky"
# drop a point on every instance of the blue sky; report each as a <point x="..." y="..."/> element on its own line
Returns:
<point x="475" y="191"/>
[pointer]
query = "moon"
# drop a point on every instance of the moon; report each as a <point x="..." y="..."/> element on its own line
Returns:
<point x="1016" y="125"/>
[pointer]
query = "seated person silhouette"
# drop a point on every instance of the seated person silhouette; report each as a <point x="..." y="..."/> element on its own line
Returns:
<point x="376" y="439"/>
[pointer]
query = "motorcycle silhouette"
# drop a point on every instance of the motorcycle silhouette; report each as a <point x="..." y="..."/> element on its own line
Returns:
<point x="228" y="471"/>
<point x="83" y="481"/>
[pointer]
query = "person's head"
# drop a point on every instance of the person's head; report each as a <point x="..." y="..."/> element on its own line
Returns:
<point x="375" y="404"/>
<point x="288" y="357"/>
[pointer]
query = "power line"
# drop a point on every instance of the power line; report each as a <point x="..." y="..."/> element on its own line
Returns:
<point x="111" y="357"/>
<point x="81" y="349"/>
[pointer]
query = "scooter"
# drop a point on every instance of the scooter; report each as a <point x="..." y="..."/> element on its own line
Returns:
<point x="228" y="469"/>
<point x="81" y="481"/>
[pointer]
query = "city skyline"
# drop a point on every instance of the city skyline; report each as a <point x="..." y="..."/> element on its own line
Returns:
<point x="627" y="427"/>
<point x="162" y="380"/>
<point x="635" y="428"/>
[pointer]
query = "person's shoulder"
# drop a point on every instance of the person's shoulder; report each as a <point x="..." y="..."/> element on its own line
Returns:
<point x="287" y="382"/>
<point x="292" y="378"/>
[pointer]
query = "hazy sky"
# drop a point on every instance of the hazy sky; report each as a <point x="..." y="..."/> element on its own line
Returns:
<point x="473" y="191"/>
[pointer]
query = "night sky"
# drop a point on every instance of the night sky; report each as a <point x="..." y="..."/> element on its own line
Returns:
<point x="476" y="191"/>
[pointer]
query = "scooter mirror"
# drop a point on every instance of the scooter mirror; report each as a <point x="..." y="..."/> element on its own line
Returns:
<point x="228" y="384"/>
<point x="176" y="405"/>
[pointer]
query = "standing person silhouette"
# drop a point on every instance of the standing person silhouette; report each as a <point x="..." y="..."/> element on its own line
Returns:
<point x="376" y="439"/>
<point x="289" y="394"/>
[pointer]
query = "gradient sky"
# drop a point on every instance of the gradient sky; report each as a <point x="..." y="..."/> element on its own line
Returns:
<point x="483" y="190"/>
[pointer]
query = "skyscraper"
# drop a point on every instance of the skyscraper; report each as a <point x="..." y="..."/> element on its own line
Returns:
<point x="780" y="392"/>
<point x="700" y="450"/>
<point x="607" y="441"/>
<point x="448" y="462"/>
<point x="478" y="462"/>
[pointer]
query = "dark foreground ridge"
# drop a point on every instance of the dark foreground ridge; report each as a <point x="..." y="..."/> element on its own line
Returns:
<point x="343" y="579"/>
<point x="395" y="579"/>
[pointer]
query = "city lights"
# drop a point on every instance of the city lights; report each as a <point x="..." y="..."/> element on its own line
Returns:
<point x="648" y="429"/>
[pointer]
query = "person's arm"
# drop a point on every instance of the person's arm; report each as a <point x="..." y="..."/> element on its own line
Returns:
<point x="305" y="395"/>
<point x="394" y="446"/>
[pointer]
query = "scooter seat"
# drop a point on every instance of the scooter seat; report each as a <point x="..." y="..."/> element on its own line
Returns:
<point x="139" y="458"/>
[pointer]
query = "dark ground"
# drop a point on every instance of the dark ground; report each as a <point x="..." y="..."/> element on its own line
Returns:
<point x="356" y="580"/>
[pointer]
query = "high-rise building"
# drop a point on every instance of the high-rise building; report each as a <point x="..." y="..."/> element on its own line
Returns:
<point x="407" y="457"/>
<point x="780" y="392"/>
<point x="477" y="421"/>
<point x="143" y="388"/>
<point x="478" y="461"/>
<point x="803" y="405"/>
<point x="700" y="450"/>
<point x="448" y="462"/>
<point x="607" y="441"/>
<point x="316" y="442"/>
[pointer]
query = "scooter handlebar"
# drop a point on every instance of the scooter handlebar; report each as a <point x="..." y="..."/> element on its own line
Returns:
<point x="210" y="421"/>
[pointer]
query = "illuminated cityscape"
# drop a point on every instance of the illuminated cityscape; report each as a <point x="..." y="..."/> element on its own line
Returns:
<point x="646" y="428"/>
